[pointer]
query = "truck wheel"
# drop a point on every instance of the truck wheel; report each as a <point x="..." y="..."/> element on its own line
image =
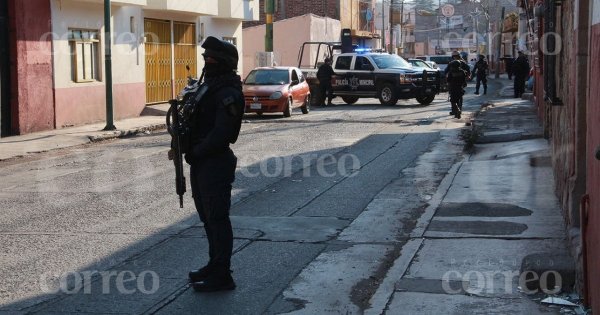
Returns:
<point x="350" y="99"/>
<point x="306" y="106"/>
<point x="287" y="112"/>
<point x="425" y="99"/>
<point x="387" y="95"/>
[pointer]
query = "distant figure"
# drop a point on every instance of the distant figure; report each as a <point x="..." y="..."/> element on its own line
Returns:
<point x="508" y="63"/>
<point x="457" y="73"/>
<point x="324" y="75"/>
<point x="480" y="70"/>
<point x="521" y="71"/>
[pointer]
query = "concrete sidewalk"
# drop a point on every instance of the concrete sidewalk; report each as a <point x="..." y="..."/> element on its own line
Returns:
<point x="494" y="216"/>
<point x="152" y="118"/>
<point x="497" y="218"/>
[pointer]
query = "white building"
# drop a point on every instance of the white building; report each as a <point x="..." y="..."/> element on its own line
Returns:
<point x="153" y="41"/>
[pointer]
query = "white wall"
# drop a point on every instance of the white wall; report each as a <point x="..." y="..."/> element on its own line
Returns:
<point x="127" y="49"/>
<point x="288" y="36"/>
<point x="220" y="28"/>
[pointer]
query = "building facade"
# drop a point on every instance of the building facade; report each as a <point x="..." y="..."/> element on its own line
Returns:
<point x="56" y="75"/>
<point x="563" y="39"/>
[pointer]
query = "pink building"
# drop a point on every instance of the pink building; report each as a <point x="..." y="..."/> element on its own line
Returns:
<point x="52" y="61"/>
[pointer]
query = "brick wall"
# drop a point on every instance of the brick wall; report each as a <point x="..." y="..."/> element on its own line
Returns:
<point x="291" y="8"/>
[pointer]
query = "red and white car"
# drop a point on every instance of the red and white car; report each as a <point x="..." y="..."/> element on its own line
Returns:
<point x="276" y="90"/>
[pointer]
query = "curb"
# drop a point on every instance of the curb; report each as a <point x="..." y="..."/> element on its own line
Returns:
<point x="127" y="133"/>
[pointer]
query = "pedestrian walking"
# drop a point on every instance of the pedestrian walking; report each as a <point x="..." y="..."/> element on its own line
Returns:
<point x="480" y="70"/>
<point x="215" y="123"/>
<point x="508" y="61"/>
<point x="457" y="73"/>
<point x="324" y="75"/>
<point x="521" y="71"/>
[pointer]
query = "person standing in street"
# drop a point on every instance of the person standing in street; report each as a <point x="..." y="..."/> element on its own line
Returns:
<point x="457" y="73"/>
<point x="480" y="70"/>
<point x="521" y="71"/>
<point x="214" y="125"/>
<point x="508" y="60"/>
<point x="324" y="75"/>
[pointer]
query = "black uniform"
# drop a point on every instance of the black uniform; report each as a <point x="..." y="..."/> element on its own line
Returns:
<point x="521" y="71"/>
<point x="215" y="124"/>
<point x="457" y="73"/>
<point x="509" y="66"/>
<point x="324" y="75"/>
<point x="480" y="71"/>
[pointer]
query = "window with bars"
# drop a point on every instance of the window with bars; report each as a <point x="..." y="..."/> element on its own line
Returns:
<point x="84" y="46"/>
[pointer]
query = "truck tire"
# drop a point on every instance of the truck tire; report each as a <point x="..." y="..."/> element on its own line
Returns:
<point x="425" y="99"/>
<point x="387" y="95"/>
<point x="350" y="99"/>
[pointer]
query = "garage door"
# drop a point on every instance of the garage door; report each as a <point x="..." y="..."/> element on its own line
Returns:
<point x="170" y="47"/>
<point x="159" y="86"/>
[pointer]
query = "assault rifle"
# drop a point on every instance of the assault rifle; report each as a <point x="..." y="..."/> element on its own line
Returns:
<point x="178" y="133"/>
<point x="178" y="116"/>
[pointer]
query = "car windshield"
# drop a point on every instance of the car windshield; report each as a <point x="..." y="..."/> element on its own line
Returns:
<point x="385" y="61"/>
<point x="419" y="63"/>
<point x="441" y="60"/>
<point x="267" y="77"/>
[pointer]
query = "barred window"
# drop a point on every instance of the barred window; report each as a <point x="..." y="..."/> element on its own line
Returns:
<point x="85" y="46"/>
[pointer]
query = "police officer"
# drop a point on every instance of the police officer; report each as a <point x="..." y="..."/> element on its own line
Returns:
<point x="521" y="71"/>
<point x="457" y="74"/>
<point x="324" y="75"/>
<point x="481" y="71"/>
<point x="215" y="124"/>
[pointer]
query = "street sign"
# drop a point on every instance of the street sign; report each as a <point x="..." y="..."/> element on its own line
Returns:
<point x="448" y="10"/>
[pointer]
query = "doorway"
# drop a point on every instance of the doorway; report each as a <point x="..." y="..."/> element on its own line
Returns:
<point x="170" y="47"/>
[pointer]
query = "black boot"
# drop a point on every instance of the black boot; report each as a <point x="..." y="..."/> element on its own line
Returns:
<point x="477" y="92"/>
<point x="216" y="281"/>
<point x="200" y="274"/>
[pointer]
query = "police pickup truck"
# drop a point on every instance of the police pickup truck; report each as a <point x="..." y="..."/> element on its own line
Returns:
<point x="365" y="74"/>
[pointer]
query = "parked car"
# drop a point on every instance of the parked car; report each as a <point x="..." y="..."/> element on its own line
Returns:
<point x="421" y="65"/>
<point x="276" y="89"/>
<point x="441" y="60"/>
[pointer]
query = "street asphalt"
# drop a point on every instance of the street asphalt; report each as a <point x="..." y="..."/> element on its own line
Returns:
<point x="487" y="210"/>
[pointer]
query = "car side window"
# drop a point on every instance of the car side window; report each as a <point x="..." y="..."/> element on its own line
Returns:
<point x="343" y="62"/>
<point x="295" y="76"/>
<point x="360" y="61"/>
<point x="301" y="76"/>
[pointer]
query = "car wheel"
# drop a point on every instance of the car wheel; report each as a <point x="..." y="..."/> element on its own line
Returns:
<point x="387" y="95"/>
<point x="350" y="99"/>
<point x="306" y="106"/>
<point x="288" y="108"/>
<point x="425" y="99"/>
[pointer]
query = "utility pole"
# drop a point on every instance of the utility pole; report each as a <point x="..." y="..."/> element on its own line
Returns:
<point x="269" y="11"/>
<point x="383" y="24"/>
<point x="392" y="43"/>
<point x="498" y="50"/>
<point x="402" y="26"/>
<point x="439" y="26"/>
<point x="108" y="67"/>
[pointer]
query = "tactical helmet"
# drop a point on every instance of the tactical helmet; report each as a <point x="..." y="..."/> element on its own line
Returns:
<point x="221" y="50"/>
<point x="455" y="53"/>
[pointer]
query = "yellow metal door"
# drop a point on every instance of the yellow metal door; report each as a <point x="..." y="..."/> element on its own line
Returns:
<point x="185" y="52"/>
<point x="159" y="87"/>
